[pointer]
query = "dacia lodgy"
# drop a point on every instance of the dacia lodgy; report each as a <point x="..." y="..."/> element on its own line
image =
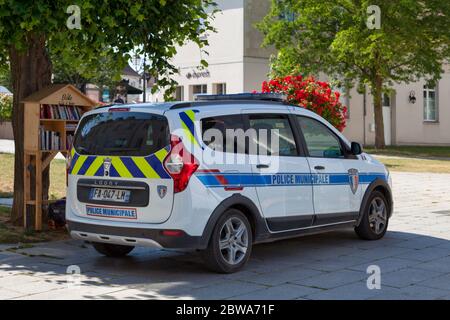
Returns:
<point x="219" y="175"/>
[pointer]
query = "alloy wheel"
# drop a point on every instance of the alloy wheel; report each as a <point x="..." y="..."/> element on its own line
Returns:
<point x="377" y="215"/>
<point x="233" y="242"/>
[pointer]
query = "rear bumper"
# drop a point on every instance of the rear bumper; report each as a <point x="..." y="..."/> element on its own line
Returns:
<point x="133" y="236"/>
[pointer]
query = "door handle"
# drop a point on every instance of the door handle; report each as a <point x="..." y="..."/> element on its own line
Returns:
<point x="263" y="166"/>
<point x="320" y="168"/>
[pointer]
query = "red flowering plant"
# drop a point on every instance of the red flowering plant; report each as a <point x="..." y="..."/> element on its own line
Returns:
<point x="311" y="94"/>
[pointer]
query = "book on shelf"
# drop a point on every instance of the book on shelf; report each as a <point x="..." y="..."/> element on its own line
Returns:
<point x="50" y="140"/>
<point x="60" y="112"/>
<point x="69" y="141"/>
<point x="71" y="127"/>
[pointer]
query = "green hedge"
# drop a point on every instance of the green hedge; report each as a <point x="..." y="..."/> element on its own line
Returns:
<point x="6" y="105"/>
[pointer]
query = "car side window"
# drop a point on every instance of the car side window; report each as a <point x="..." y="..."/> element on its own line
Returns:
<point x="320" y="141"/>
<point x="268" y="127"/>
<point x="214" y="133"/>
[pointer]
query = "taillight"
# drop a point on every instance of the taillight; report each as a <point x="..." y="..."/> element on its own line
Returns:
<point x="180" y="164"/>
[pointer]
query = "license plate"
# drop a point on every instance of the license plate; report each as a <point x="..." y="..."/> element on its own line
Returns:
<point x="114" y="195"/>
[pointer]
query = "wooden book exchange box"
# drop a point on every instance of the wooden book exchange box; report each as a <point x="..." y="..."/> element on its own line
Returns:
<point x="50" y="119"/>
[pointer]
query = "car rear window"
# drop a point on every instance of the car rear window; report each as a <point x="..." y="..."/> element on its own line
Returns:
<point x="122" y="134"/>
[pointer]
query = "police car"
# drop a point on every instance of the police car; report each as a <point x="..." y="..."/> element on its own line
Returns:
<point x="219" y="175"/>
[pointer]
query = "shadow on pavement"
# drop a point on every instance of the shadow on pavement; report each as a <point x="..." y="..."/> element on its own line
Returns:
<point x="314" y="267"/>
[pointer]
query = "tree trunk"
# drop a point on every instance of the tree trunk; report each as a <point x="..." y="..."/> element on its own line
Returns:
<point x="31" y="70"/>
<point x="377" y="92"/>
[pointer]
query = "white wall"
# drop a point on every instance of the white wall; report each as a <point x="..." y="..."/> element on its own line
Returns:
<point x="235" y="56"/>
<point x="255" y="72"/>
<point x="226" y="45"/>
<point x="408" y="127"/>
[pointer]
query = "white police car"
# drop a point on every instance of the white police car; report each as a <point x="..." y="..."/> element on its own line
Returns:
<point x="219" y="174"/>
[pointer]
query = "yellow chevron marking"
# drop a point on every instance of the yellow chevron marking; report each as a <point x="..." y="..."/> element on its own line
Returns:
<point x="161" y="154"/>
<point x="191" y="115"/>
<point x="123" y="171"/>
<point x="98" y="162"/>
<point x="189" y="135"/>
<point x="120" y="167"/>
<point x="78" y="164"/>
<point x="146" y="168"/>
<point x="72" y="152"/>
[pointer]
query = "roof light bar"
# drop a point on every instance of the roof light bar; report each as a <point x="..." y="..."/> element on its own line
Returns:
<point x="242" y="96"/>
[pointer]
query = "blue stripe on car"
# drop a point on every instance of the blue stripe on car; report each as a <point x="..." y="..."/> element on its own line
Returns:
<point x="284" y="179"/>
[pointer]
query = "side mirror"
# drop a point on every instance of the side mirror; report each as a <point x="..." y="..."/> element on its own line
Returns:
<point x="356" y="149"/>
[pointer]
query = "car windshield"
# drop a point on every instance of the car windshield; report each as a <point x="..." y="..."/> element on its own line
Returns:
<point x="122" y="134"/>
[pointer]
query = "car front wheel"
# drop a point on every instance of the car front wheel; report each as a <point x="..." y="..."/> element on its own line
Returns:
<point x="230" y="245"/>
<point x="375" y="219"/>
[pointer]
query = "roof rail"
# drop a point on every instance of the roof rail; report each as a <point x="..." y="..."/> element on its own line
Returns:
<point x="275" y="97"/>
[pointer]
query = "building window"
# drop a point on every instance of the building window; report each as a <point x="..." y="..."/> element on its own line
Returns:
<point x="386" y="100"/>
<point x="430" y="111"/>
<point x="220" y="88"/>
<point x="200" y="89"/>
<point x="179" y="94"/>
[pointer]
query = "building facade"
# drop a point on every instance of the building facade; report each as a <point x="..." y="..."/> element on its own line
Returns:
<point x="131" y="83"/>
<point x="413" y="115"/>
<point x="237" y="63"/>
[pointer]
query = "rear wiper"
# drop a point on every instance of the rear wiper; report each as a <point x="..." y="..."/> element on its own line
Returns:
<point x="82" y="150"/>
<point x="121" y="149"/>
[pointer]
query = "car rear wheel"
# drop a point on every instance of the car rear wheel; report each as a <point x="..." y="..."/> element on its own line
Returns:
<point x="112" y="250"/>
<point x="230" y="245"/>
<point x="375" y="218"/>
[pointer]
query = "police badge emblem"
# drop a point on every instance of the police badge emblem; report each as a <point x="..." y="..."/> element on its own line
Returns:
<point x="162" y="191"/>
<point x="106" y="167"/>
<point x="353" y="176"/>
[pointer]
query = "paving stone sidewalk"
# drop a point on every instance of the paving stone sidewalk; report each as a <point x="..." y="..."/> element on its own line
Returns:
<point x="414" y="258"/>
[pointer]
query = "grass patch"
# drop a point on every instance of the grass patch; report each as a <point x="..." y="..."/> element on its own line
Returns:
<point x="416" y="165"/>
<point x="411" y="151"/>
<point x="57" y="177"/>
<point x="10" y="234"/>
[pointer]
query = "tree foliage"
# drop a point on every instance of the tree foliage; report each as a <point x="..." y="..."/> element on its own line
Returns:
<point x="32" y="32"/>
<point x="332" y="36"/>
<point x="108" y="28"/>
<point x="5" y="76"/>
<point x="6" y="103"/>
<point x="102" y="71"/>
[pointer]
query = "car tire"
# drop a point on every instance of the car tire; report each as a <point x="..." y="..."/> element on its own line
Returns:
<point x="112" y="250"/>
<point x="375" y="219"/>
<point x="230" y="245"/>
